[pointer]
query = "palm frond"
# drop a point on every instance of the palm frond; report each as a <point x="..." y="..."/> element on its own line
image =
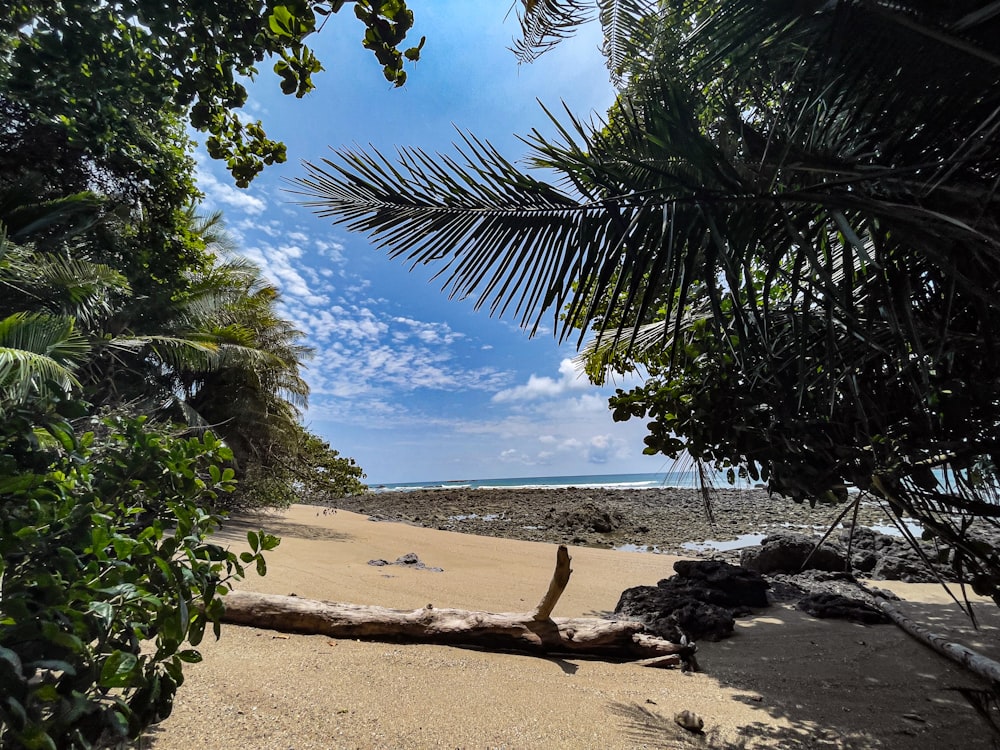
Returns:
<point x="38" y="354"/>
<point x="71" y="215"/>
<point x="544" y="23"/>
<point x="58" y="283"/>
<point x="483" y="222"/>
<point x="630" y="34"/>
<point x="628" y="25"/>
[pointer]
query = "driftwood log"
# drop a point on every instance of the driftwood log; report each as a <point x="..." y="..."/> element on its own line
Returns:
<point x="533" y="632"/>
<point x="980" y="665"/>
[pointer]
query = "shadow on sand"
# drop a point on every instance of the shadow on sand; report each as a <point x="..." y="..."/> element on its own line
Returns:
<point x="235" y="529"/>
<point x="784" y="663"/>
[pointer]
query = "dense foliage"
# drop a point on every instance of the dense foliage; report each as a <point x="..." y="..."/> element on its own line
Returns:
<point x="105" y="573"/>
<point x="102" y="74"/>
<point x="789" y="218"/>
<point x="148" y="380"/>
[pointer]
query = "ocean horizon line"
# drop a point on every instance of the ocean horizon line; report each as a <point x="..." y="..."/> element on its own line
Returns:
<point x="687" y="479"/>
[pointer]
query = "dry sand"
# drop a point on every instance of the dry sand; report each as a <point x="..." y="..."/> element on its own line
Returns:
<point x="785" y="680"/>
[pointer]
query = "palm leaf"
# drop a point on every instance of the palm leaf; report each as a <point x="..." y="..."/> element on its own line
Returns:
<point x="38" y="354"/>
<point x="627" y="25"/>
<point x="544" y="23"/>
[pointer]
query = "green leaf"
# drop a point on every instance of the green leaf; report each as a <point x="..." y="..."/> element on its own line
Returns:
<point x="10" y="662"/>
<point x="280" y="21"/>
<point x="119" y="670"/>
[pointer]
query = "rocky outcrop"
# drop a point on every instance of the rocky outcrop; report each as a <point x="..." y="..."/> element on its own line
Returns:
<point x="840" y="607"/>
<point x="588" y="516"/>
<point x="892" y="558"/>
<point x="873" y="555"/>
<point x="700" y="602"/>
<point x="785" y="552"/>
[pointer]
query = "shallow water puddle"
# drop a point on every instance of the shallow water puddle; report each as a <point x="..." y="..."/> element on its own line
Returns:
<point x="638" y="548"/>
<point x="891" y="530"/>
<point x="474" y="516"/>
<point x="714" y="545"/>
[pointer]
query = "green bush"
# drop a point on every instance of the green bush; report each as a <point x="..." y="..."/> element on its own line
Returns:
<point x="107" y="582"/>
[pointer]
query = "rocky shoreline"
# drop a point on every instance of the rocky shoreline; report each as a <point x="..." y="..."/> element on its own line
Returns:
<point x="748" y="534"/>
<point x="667" y="520"/>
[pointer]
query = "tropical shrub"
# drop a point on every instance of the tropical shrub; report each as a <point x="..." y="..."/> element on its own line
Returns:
<point x="107" y="579"/>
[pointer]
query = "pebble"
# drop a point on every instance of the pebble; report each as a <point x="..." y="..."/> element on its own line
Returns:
<point x="689" y="720"/>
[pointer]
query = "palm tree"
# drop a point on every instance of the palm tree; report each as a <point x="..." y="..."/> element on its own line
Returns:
<point x="44" y="299"/>
<point x="812" y="186"/>
<point x="255" y="390"/>
<point x="217" y="353"/>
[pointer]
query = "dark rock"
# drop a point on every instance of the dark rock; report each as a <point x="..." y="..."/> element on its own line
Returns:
<point x="409" y="560"/>
<point x="836" y="606"/>
<point x="590" y="517"/>
<point x="788" y="553"/>
<point x="741" y="587"/>
<point x="902" y="565"/>
<point x="700" y="602"/>
<point x="886" y="557"/>
<point x="864" y="561"/>
<point x="673" y="615"/>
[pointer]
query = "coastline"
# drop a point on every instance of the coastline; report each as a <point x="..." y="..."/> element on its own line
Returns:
<point x="785" y="680"/>
<point x="665" y="519"/>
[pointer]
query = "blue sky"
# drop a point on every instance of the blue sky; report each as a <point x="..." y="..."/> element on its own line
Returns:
<point x="414" y="386"/>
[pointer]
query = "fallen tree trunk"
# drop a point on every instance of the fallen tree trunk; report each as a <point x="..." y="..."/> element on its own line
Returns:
<point x="527" y="632"/>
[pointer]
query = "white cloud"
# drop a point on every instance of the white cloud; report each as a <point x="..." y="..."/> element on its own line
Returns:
<point x="428" y="333"/>
<point x="279" y="265"/>
<point x="364" y="354"/>
<point x="544" y="387"/>
<point x="514" y="456"/>
<point x="218" y="193"/>
<point x="333" y="251"/>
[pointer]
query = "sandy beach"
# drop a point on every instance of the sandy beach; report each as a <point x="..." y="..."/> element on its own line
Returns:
<point x="785" y="680"/>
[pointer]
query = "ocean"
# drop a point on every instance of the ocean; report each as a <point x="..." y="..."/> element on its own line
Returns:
<point x="683" y="479"/>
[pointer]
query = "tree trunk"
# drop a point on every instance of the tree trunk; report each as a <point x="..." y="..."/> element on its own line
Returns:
<point x="984" y="667"/>
<point x="527" y="632"/>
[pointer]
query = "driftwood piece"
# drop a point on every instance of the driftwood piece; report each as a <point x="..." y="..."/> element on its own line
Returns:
<point x="975" y="662"/>
<point x="560" y="578"/>
<point x="526" y="632"/>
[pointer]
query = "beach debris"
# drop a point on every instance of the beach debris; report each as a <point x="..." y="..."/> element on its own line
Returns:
<point x="690" y="721"/>
<point x="532" y="632"/>
<point x="409" y="560"/>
